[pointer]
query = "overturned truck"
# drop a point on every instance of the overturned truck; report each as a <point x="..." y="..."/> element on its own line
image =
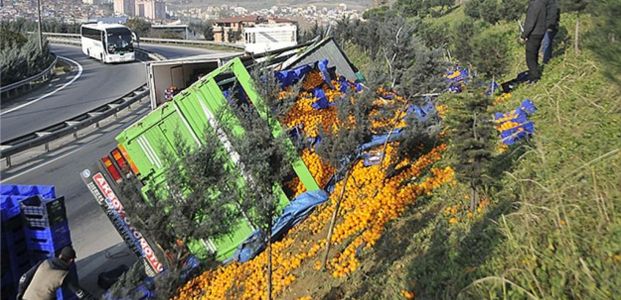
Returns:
<point x="142" y="147"/>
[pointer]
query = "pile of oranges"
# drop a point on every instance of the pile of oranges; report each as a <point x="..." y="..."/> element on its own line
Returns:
<point x="371" y="200"/>
<point x="322" y="172"/>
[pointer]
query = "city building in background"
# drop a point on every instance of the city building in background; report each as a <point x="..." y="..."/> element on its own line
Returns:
<point x="150" y="9"/>
<point x="230" y="29"/>
<point x="96" y="2"/>
<point x="269" y="36"/>
<point x="124" y="7"/>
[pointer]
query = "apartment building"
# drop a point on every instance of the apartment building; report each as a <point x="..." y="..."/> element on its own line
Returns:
<point x="150" y="9"/>
<point x="125" y="7"/>
<point x="230" y="29"/>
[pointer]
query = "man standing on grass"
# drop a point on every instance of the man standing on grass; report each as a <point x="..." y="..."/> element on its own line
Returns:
<point x="534" y="28"/>
<point x="553" y="16"/>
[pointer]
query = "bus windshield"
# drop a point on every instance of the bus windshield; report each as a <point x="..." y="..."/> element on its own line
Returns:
<point x="119" y="40"/>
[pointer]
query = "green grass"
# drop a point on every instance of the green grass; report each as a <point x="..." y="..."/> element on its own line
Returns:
<point x="552" y="229"/>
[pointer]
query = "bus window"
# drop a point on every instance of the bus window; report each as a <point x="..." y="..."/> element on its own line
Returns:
<point x="119" y="40"/>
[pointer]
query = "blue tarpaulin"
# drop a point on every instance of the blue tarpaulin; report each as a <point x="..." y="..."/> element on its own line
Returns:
<point x="524" y="127"/>
<point x="322" y="101"/>
<point x="289" y="77"/>
<point x="424" y="111"/>
<point x="294" y="213"/>
<point x="456" y="78"/>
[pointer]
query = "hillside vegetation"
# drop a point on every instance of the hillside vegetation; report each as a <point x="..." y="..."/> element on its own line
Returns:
<point x="549" y="225"/>
<point x="447" y="211"/>
<point x="20" y="54"/>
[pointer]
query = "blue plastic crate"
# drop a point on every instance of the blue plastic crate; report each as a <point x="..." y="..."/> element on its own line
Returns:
<point x="8" y="189"/>
<point x="43" y="213"/>
<point x="6" y="279"/>
<point x="62" y="294"/>
<point x="45" y="191"/>
<point x="56" y="235"/>
<point x="9" y="205"/>
<point x="12" y="194"/>
<point x="13" y="232"/>
<point x="8" y="291"/>
<point x="18" y="263"/>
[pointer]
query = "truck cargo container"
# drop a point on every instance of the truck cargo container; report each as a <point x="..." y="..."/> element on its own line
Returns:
<point x="143" y="147"/>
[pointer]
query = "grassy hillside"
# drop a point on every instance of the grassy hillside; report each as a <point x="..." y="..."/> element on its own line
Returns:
<point x="550" y="226"/>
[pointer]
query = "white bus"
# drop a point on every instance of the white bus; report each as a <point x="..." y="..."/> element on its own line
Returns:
<point x="107" y="42"/>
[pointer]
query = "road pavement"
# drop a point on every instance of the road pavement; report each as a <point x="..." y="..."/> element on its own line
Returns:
<point x="99" y="247"/>
<point x="97" y="84"/>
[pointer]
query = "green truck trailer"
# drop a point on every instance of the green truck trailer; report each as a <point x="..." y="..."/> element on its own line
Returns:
<point x="188" y="116"/>
<point x="144" y="147"/>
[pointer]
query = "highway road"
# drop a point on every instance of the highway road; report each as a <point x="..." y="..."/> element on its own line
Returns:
<point x="98" y="245"/>
<point x="96" y="84"/>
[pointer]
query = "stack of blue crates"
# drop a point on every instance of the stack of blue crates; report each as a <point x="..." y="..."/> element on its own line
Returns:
<point x="34" y="227"/>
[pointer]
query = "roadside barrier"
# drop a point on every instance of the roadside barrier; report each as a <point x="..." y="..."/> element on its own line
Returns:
<point x="71" y="126"/>
<point x="28" y="83"/>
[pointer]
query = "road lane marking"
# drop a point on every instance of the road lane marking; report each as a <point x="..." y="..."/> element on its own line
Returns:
<point x="80" y="69"/>
<point x="128" y="120"/>
<point x="43" y="164"/>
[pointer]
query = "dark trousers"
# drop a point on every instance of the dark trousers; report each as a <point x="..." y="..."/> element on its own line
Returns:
<point x="532" y="56"/>
<point x="546" y="45"/>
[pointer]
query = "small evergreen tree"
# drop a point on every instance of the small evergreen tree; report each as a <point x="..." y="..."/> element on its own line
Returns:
<point x="339" y="147"/>
<point x="196" y="201"/>
<point x="140" y="26"/>
<point x="204" y="28"/>
<point x="472" y="8"/>
<point x="489" y="11"/>
<point x="490" y="51"/>
<point x="265" y="155"/>
<point x="512" y="10"/>
<point x="20" y="56"/>
<point x="412" y="8"/>
<point x="435" y="35"/>
<point x="461" y="39"/>
<point x="471" y="135"/>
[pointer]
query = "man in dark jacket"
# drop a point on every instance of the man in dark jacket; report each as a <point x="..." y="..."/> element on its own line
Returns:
<point x="553" y="17"/>
<point x="42" y="280"/>
<point x="534" y="28"/>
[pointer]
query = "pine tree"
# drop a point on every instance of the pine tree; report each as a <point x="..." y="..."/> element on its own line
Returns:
<point x="490" y="51"/>
<point x="139" y="26"/>
<point x="195" y="202"/>
<point x="339" y="147"/>
<point x="471" y="135"/>
<point x="265" y="157"/>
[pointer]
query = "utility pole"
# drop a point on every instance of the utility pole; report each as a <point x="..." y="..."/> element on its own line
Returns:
<point x="39" y="25"/>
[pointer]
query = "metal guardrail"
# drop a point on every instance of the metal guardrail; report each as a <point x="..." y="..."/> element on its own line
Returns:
<point x="50" y="133"/>
<point x="180" y="42"/>
<point x="190" y="42"/>
<point x="71" y="126"/>
<point x="28" y="81"/>
<point x="72" y="39"/>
